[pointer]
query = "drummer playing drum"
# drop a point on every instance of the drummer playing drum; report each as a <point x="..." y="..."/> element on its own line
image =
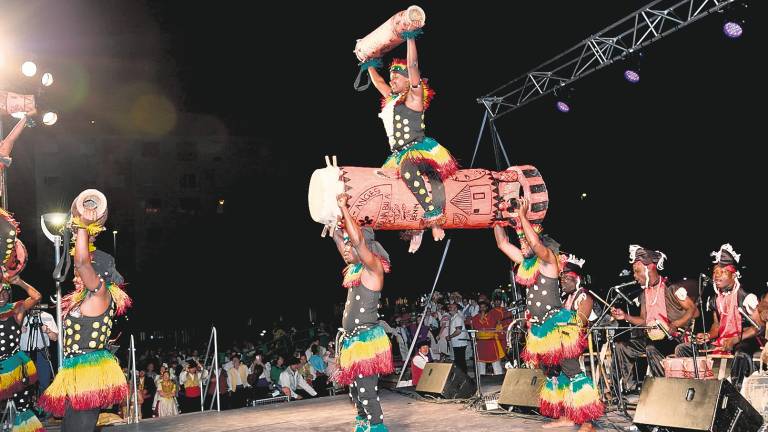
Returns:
<point x="730" y="332"/>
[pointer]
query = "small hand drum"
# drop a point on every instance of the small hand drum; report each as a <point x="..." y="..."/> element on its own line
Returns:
<point x="91" y="199"/>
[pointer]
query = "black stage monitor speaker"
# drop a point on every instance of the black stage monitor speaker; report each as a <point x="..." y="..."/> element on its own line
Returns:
<point x="522" y="387"/>
<point x="445" y="380"/>
<point x="679" y="404"/>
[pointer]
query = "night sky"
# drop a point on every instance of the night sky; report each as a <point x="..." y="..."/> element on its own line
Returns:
<point x="670" y="163"/>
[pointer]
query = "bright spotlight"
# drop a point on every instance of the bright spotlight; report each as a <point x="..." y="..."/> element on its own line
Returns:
<point x="58" y="219"/>
<point x="29" y="68"/>
<point x="733" y="29"/>
<point x="632" y="76"/>
<point x="50" y="118"/>
<point x="47" y="79"/>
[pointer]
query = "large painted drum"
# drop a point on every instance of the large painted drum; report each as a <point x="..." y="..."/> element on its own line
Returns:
<point x="14" y="103"/>
<point x="682" y="367"/>
<point x="475" y="198"/>
<point x="387" y="36"/>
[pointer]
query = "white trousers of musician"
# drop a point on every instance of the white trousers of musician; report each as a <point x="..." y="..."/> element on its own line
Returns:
<point x="496" y="367"/>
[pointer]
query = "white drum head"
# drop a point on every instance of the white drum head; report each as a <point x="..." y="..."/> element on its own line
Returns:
<point x="324" y="186"/>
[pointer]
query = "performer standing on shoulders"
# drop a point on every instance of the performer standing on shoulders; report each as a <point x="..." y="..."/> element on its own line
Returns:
<point x="418" y="158"/>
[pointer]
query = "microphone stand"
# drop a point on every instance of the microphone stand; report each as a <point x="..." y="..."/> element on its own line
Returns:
<point x="473" y="336"/>
<point x="515" y="343"/>
<point x="616" y="379"/>
<point x="701" y="303"/>
<point x="693" y="348"/>
<point x="611" y="340"/>
<point x="748" y="318"/>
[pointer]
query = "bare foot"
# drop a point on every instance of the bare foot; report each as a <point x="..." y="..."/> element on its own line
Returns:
<point x="415" y="242"/>
<point x="587" y="427"/>
<point x="438" y="233"/>
<point x="559" y="423"/>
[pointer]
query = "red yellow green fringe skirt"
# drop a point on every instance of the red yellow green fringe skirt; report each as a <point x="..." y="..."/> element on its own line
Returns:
<point x="87" y="381"/>
<point x="27" y="421"/>
<point x="559" y="337"/>
<point x="365" y="353"/>
<point x="16" y="373"/>
<point x="426" y="152"/>
<point x="574" y="398"/>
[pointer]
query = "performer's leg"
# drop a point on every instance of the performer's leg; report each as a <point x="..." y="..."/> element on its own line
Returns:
<point x="361" y="421"/>
<point x="742" y="361"/>
<point x="497" y="367"/>
<point x="684" y="350"/>
<point x="582" y="400"/>
<point x="44" y="372"/>
<point x="460" y="358"/>
<point x="627" y="353"/>
<point x="368" y="397"/>
<point x="412" y="176"/>
<point x="437" y="203"/>
<point x="570" y="368"/>
<point x="79" y="420"/>
<point x="655" y="351"/>
<point x="25" y="419"/>
<point x="552" y="397"/>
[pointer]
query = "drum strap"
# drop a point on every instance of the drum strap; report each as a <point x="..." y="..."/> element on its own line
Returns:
<point x="359" y="78"/>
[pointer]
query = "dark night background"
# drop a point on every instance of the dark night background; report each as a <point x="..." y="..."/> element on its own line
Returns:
<point x="672" y="163"/>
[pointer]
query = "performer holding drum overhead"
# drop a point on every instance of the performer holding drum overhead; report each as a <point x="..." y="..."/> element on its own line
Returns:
<point x="423" y="163"/>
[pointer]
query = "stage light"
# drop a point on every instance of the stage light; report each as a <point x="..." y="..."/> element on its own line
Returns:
<point x="733" y="29"/>
<point x="631" y="76"/>
<point x="47" y="79"/>
<point x="631" y="66"/>
<point x="50" y="118"/>
<point x="563" y="96"/>
<point x="29" y="68"/>
<point x="734" y="19"/>
<point x="58" y="219"/>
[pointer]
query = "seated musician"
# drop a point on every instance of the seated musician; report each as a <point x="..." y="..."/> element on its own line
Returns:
<point x="730" y="332"/>
<point x="660" y="306"/>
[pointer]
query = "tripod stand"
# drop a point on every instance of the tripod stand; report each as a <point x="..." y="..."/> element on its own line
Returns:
<point x="611" y="334"/>
<point x="37" y="341"/>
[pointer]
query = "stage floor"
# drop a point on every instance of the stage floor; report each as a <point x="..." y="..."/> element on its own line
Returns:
<point x="336" y="413"/>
